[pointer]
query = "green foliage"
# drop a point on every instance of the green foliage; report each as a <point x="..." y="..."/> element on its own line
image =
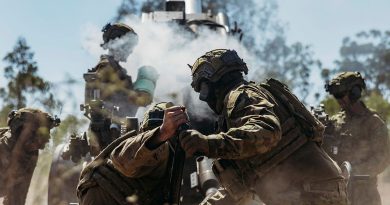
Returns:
<point x="369" y="53"/>
<point x="4" y="114"/>
<point x="331" y="105"/>
<point x="24" y="83"/>
<point x="377" y="102"/>
<point x="374" y="100"/>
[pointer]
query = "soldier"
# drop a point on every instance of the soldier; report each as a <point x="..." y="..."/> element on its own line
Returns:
<point x="28" y="131"/>
<point x="360" y="137"/>
<point x="137" y="172"/>
<point x="110" y="97"/>
<point x="267" y="144"/>
<point x="109" y="83"/>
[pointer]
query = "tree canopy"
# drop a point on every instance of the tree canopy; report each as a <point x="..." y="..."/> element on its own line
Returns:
<point x="25" y="86"/>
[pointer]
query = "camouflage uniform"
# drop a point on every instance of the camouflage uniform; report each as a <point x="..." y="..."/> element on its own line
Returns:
<point x="116" y="86"/>
<point x="111" y="96"/>
<point x="132" y="171"/>
<point x="362" y="139"/>
<point x="109" y="83"/>
<point x="19" y="151"/>
<point x="261" y="146"/>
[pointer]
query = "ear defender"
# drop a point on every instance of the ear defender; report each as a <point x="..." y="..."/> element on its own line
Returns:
<point x="355" y="93"/>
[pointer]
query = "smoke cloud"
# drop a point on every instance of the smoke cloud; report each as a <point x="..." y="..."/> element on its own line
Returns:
<point x="169" y="49"/>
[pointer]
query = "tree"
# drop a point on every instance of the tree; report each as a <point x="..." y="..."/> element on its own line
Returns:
<point x="264" y="36"/>
<point x="369" y="53"/>
<point x="24" y="83"/>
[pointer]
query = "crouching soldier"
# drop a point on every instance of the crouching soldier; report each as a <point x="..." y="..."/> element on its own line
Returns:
<point x="28" y="131"/>
<point x="360" y="137"/>
<point x="136" y="169"/>
<point x="267" y="143"/>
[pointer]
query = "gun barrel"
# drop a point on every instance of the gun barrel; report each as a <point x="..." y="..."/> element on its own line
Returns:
<point x="207" y="180"/>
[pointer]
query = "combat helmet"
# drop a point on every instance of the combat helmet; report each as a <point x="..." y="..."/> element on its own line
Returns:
<point x="214" y="64"/>
<point x="17" y="118"/>
<point x="351" y="83"/>
<point x="116" y="30"/>
<point x="154" y="116"/>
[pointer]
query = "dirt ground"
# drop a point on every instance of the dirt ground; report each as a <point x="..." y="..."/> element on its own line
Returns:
<point x="38" y="190"/>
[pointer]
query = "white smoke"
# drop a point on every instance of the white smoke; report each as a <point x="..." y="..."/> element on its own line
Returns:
<point x="169" y="49"/>
<point x="121" y="48"/>
<point x="91" y="40"/>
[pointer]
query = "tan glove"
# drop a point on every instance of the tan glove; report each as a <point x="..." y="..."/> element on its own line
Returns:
<point x="194" y="143"/>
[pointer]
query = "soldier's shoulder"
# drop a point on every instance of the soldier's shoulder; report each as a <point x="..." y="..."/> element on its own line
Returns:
<point x="103" y="63"/>
<point x="243" y="96"/>
<point x="241" y="90"/>
<point x="250" y="89"/>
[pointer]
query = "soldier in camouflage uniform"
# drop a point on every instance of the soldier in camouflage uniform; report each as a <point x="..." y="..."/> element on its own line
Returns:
<point x="136" y="172"/>
<point x="109" y="82"/>
<point x="111" y="96"/>
<point x="28" y="131"/>
<point x="360" y="137"/>
<point x="114" y="83"/>
<point x="267" y="144"/>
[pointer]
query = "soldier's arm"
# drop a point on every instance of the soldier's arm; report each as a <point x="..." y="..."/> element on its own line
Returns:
<point x="134" y="158"/>
<point x="379" y="157"/>
<point x="255" y="128"/>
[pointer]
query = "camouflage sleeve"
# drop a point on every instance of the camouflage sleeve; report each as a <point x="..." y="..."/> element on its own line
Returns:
<point x="133" y="159"/>
<point x="254" y="127"/>
<point x="378" y="158"/>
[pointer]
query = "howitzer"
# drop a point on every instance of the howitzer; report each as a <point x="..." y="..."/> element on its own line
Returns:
<point x="105" y="127"/>
<point x="176" y="164"/>
<point x="320" y="114"/>
<point x="330" y="142"/>
<point x="76" y="148"/>
<point x="204" y="179"/>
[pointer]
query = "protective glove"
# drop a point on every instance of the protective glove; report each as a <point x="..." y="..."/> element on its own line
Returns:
<point x="194" y="143"/>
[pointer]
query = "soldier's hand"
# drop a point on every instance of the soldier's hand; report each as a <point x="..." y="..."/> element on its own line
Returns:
<point x="173" y="118"/>
<point x="194" y="142"/>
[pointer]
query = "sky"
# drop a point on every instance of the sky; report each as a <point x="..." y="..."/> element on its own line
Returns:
<point x="324" y="23"/>
<point x="55" y="29"/>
